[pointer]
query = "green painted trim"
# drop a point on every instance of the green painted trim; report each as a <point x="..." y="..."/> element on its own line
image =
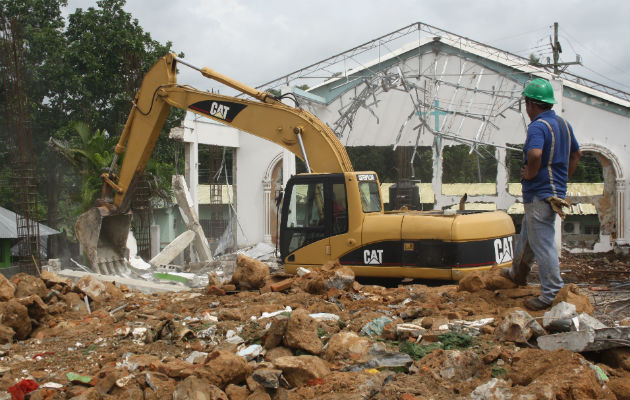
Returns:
<point x="596" y="102"/>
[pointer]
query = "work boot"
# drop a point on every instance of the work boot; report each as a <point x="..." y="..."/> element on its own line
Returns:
<point x="507" y="274"/>
<point x="535" y="304"/>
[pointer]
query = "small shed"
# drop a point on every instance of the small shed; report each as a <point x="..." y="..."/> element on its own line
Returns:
<point x="9" y="236"/>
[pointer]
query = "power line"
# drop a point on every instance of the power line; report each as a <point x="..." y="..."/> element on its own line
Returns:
<point x="520" y="34"/>
<point x="625" y="85"/>
<point x="618" y="68"/>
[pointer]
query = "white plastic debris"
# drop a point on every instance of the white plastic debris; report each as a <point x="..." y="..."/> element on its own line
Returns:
<point x="232" y="337"/>
<point x="250" y="352"/>
<point x="324" y="317"/>
<point x="139" y="335"/>
<point x="122" y="382"/>
<point x="135" y="261"/>
<point x="272" y="314"/>
<point x="207" y="333"/>
<point x="194" y="355"/>
<point x="301" y="271"/>
<point x="52" y="385"/>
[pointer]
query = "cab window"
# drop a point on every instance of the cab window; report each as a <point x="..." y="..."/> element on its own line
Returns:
<point x="305" y="215"/>
<point x="370" y="196"/>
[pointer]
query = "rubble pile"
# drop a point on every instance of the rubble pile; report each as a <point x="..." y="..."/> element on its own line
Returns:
<point x="318" y="335"/>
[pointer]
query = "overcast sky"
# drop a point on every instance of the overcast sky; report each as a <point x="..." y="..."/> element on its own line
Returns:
<point x="257" y="41"/>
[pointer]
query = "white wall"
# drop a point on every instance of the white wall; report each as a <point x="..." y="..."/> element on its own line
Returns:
<point x="253" y="159"/>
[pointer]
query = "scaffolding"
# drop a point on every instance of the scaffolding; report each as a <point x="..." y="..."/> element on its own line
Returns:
<point x="20" y="145"/>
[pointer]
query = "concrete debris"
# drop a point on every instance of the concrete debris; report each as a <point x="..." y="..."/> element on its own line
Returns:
<point x="559" y="317"/>
<point x="299" y="370"/>
<point x="587" y="340"/>
<point x="26" y="285"/>
<point x="347" y="346"/>
<point x="7" y="289"/>
<point x="494" y="389"/>
<point x="518" y="326"/>
<point x="571" y="294"/>
<point x="268" y="377"/>
<point x="187" y="208"/>
<point x="250" y="273"/>
<point x="301" y="332"/>
<point x="260" y="251"/>
<point x="487" y="280"/>
<point x="322" y="335"/>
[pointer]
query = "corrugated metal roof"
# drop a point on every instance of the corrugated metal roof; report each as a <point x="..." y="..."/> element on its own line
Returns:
<point x="8" y="226"/>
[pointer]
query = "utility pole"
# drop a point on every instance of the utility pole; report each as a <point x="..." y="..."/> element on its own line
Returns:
<point x="557" y="49"/>
<point x="555" y="46"/>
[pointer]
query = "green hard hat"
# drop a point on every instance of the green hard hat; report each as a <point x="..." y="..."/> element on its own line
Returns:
<point x="540" y="90"/>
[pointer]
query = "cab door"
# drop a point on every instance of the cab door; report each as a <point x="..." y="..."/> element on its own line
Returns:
<point x="309" y="217"/>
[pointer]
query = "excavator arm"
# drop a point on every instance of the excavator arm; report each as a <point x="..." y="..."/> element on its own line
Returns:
<point x="102" y="231"/>
<point x="292" y="128"/>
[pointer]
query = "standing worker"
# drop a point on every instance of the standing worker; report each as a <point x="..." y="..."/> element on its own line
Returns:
<point x="550" y="154"/>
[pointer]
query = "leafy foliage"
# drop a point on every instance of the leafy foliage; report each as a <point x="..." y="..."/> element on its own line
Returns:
<point x="589" y="169"/>
<point x="88" y="152"/>
<point x="387" y="163"/>
<point x="461" y="166"/>
<point x="88" y="71"/>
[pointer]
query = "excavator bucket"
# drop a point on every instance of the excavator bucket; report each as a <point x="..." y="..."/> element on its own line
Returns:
<point x="104" y="239"/>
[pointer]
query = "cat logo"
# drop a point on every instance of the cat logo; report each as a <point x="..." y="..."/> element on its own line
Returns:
<point x="223" y="110"/>
<point x="219" y="110"/>
<point x="373" y="257"/>
<point x="503" y="251"/>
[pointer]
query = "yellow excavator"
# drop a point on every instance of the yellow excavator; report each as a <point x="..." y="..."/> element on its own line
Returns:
<point x="329" y="213"/>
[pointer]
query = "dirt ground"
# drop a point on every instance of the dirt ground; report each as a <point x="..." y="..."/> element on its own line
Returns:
<point x="178" y="345"/>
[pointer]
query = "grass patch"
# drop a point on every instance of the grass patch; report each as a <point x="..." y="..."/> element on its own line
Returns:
<point x="417" y="351"/>
<point x="453" y="340"/>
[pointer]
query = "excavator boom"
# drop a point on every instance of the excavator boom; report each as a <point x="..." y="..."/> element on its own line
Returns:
<point x="292" y="128"/>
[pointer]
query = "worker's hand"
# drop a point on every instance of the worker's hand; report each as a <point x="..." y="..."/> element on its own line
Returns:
<point x="524" y="172"/>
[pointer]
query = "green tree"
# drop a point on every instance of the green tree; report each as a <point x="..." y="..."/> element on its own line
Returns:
<point x="40" y="25"/>
<point x="87" y="71"/>
<point x="461" y="166"/>
<point x="89" y="152"/>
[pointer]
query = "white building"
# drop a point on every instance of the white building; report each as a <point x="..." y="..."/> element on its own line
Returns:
<point x="421" y="86"/>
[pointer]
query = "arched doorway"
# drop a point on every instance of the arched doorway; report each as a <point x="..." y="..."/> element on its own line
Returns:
<point x="272" y="187"/>
<point x="611" y="204"/>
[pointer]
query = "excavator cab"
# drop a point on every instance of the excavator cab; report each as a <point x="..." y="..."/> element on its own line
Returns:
<point x="322" y="215"/>
<point x="314" y="208"/>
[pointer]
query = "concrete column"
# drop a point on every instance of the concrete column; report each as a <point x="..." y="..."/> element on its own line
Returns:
<point x="173" y="249"/>
<point x="620" y="194"/>
<point x="155" y="240"/>
<point x="436" y="181"/>
<point x="266" y="210"/>
<point x="192" y="170"/>
<point x="191" y="219"/>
